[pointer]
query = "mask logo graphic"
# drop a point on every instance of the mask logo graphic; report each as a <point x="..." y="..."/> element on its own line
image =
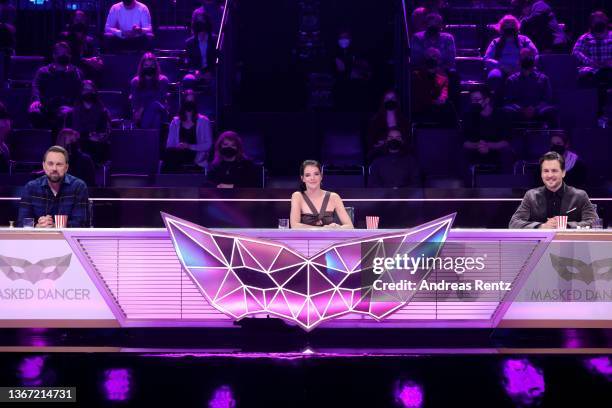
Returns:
<point x="242" y="276"/>
<point x="569" y="268"/>
<point x="50" y="268"/>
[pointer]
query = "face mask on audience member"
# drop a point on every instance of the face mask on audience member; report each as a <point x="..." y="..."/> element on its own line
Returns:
<point x="89" y="97"/>
<point x="128" y="3"/>
<point x="228" y="152"/>
<point x="598" y="26"/>
<point x="431" y="63"/>
<point x="148" y="71"/>
<point x="199" y="26"/>
<point x="189" y="105"/>
<point x="476" y="107"/>
<point x="527" y="62"/>
<point x="390" y="104"/>
<point x="62" y="59"/>
<point x="432" y="31"/>
<point x="558" y="148"/>
<point x="509" y="32"/>
<point x="79" y="27"/>
<point x="394" y="145"/>
<point x="344" y="43"/>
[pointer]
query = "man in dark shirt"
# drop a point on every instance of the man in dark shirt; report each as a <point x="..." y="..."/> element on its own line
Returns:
<point x="542" y="206"/>
<point x="396" y="168"/>
<point x="528" y="93"/>
<point x="55" y="193"/>
<point x="485" y="134"/>
<point x="55" y="89"/>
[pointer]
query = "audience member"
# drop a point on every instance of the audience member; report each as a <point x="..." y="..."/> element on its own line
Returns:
<point x="214" y="12"/>
<point x="502" y="56"/>
<point x="85" y="54"/>
<point x="594" y="53"/>
<point x="230" y="167"/>
<point x="5" y="130"/>
<point x="432" y="37"/>
<point x="486" y="134"/>
<point x="419" y="15"/>
<point x="55" y="193"/>
<point x="389" y="115"/>
<point x="189" y="138"/>
<point x="575" y="167"/>
<point x="55" y="89"/>
<point x="396" y="168"/>
<point x="539" y="23"/>
<point x="430" y="92"/>
<point x="200" y="52"/>
<point x="8" y="17"/>
<point x="528" y="93"/>
<point x="81" y="164"/>
<point x="128" y="26"/>
<point x="352" y="74"/>
<point x="93" y="122"/>
<point x="149" y="93"/>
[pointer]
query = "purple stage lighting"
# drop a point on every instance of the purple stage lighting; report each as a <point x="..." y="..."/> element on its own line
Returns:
<point x="523" y="382"/>
<point x="117" y="384"/>
<point x="30" y="370"/>
<point x="600" y="365"/>
<point x="409" y="394"/>
<point x="222" y="397"/>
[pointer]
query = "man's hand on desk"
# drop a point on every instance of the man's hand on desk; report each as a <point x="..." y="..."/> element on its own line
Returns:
<point x="46" y="221"/>
<point x="550" y="224"/>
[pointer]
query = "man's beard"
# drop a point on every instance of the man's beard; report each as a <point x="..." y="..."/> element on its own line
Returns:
<point x="54" y="178"/>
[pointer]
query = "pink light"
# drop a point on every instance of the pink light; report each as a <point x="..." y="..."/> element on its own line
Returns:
<point x="409" y="394"/>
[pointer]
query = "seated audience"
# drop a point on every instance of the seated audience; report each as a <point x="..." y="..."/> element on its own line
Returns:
<point x="575" y="167"/>
<point x="528" y="95"/>
<point x="419" y="15"/>
<point x="430" y="89"/>
<point x="594" y="53"/>
<point x="200" y="52"/>
<point x="396" y="167"/>
<point x="55" y="193"/>
<point x="539" y="23"/>
<point x="486" y="135"/>
<point x="351" y="74"/>
<point x="55" y="89"/>
<point x="189" y="138"/>
<point x="389" y="116"/>
<point x="149" y="93"/>
<point x="432" y="37"/>
<point x="93" y="122"/>
<point x="81" y="164"/>
<point x="542" y="206"/>
<point x="502" y="57"/>
<point x="214" y="12"/>
<point x="8" y="17"/>
<point x="230" y="167"/>
<point x="85" y="54"/>
<point x="128" y="26"/>
<point x="5" y="130"/>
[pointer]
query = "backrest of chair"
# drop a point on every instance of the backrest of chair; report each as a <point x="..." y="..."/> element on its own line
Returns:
<point x="134" y="151"/>
<point x="467" y="36"/>
<point x="438" y="151"/>
<point x="29" y="145"/>
<point x="180" y="180"/>
<point x="531" y="144"/>
<point x="17" y="101"/>
<point x="254" y="146"/>
<point x="171" y="37"/>
<point x="169" y="67"/>
<point x="342" y="143"/>
<point x="119" y="71"/>
<point x="116" y="102"/>
<point x="470" y="68"/>
<point x="561" y="69"/>
<point x="23" y="68"/>
<point x="593" y="147"/>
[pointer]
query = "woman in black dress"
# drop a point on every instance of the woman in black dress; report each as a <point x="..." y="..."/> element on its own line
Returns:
<point x="314" y="207"/>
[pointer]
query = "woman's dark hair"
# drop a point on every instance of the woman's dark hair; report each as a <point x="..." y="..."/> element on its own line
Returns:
<point x="141" y="78"/>
<point x="553" y="156"/>
<point x="90" y="83"/>
<point x="201" y="15"/>
<point x="305" y="164"/>
<point x="183" y="110"/>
